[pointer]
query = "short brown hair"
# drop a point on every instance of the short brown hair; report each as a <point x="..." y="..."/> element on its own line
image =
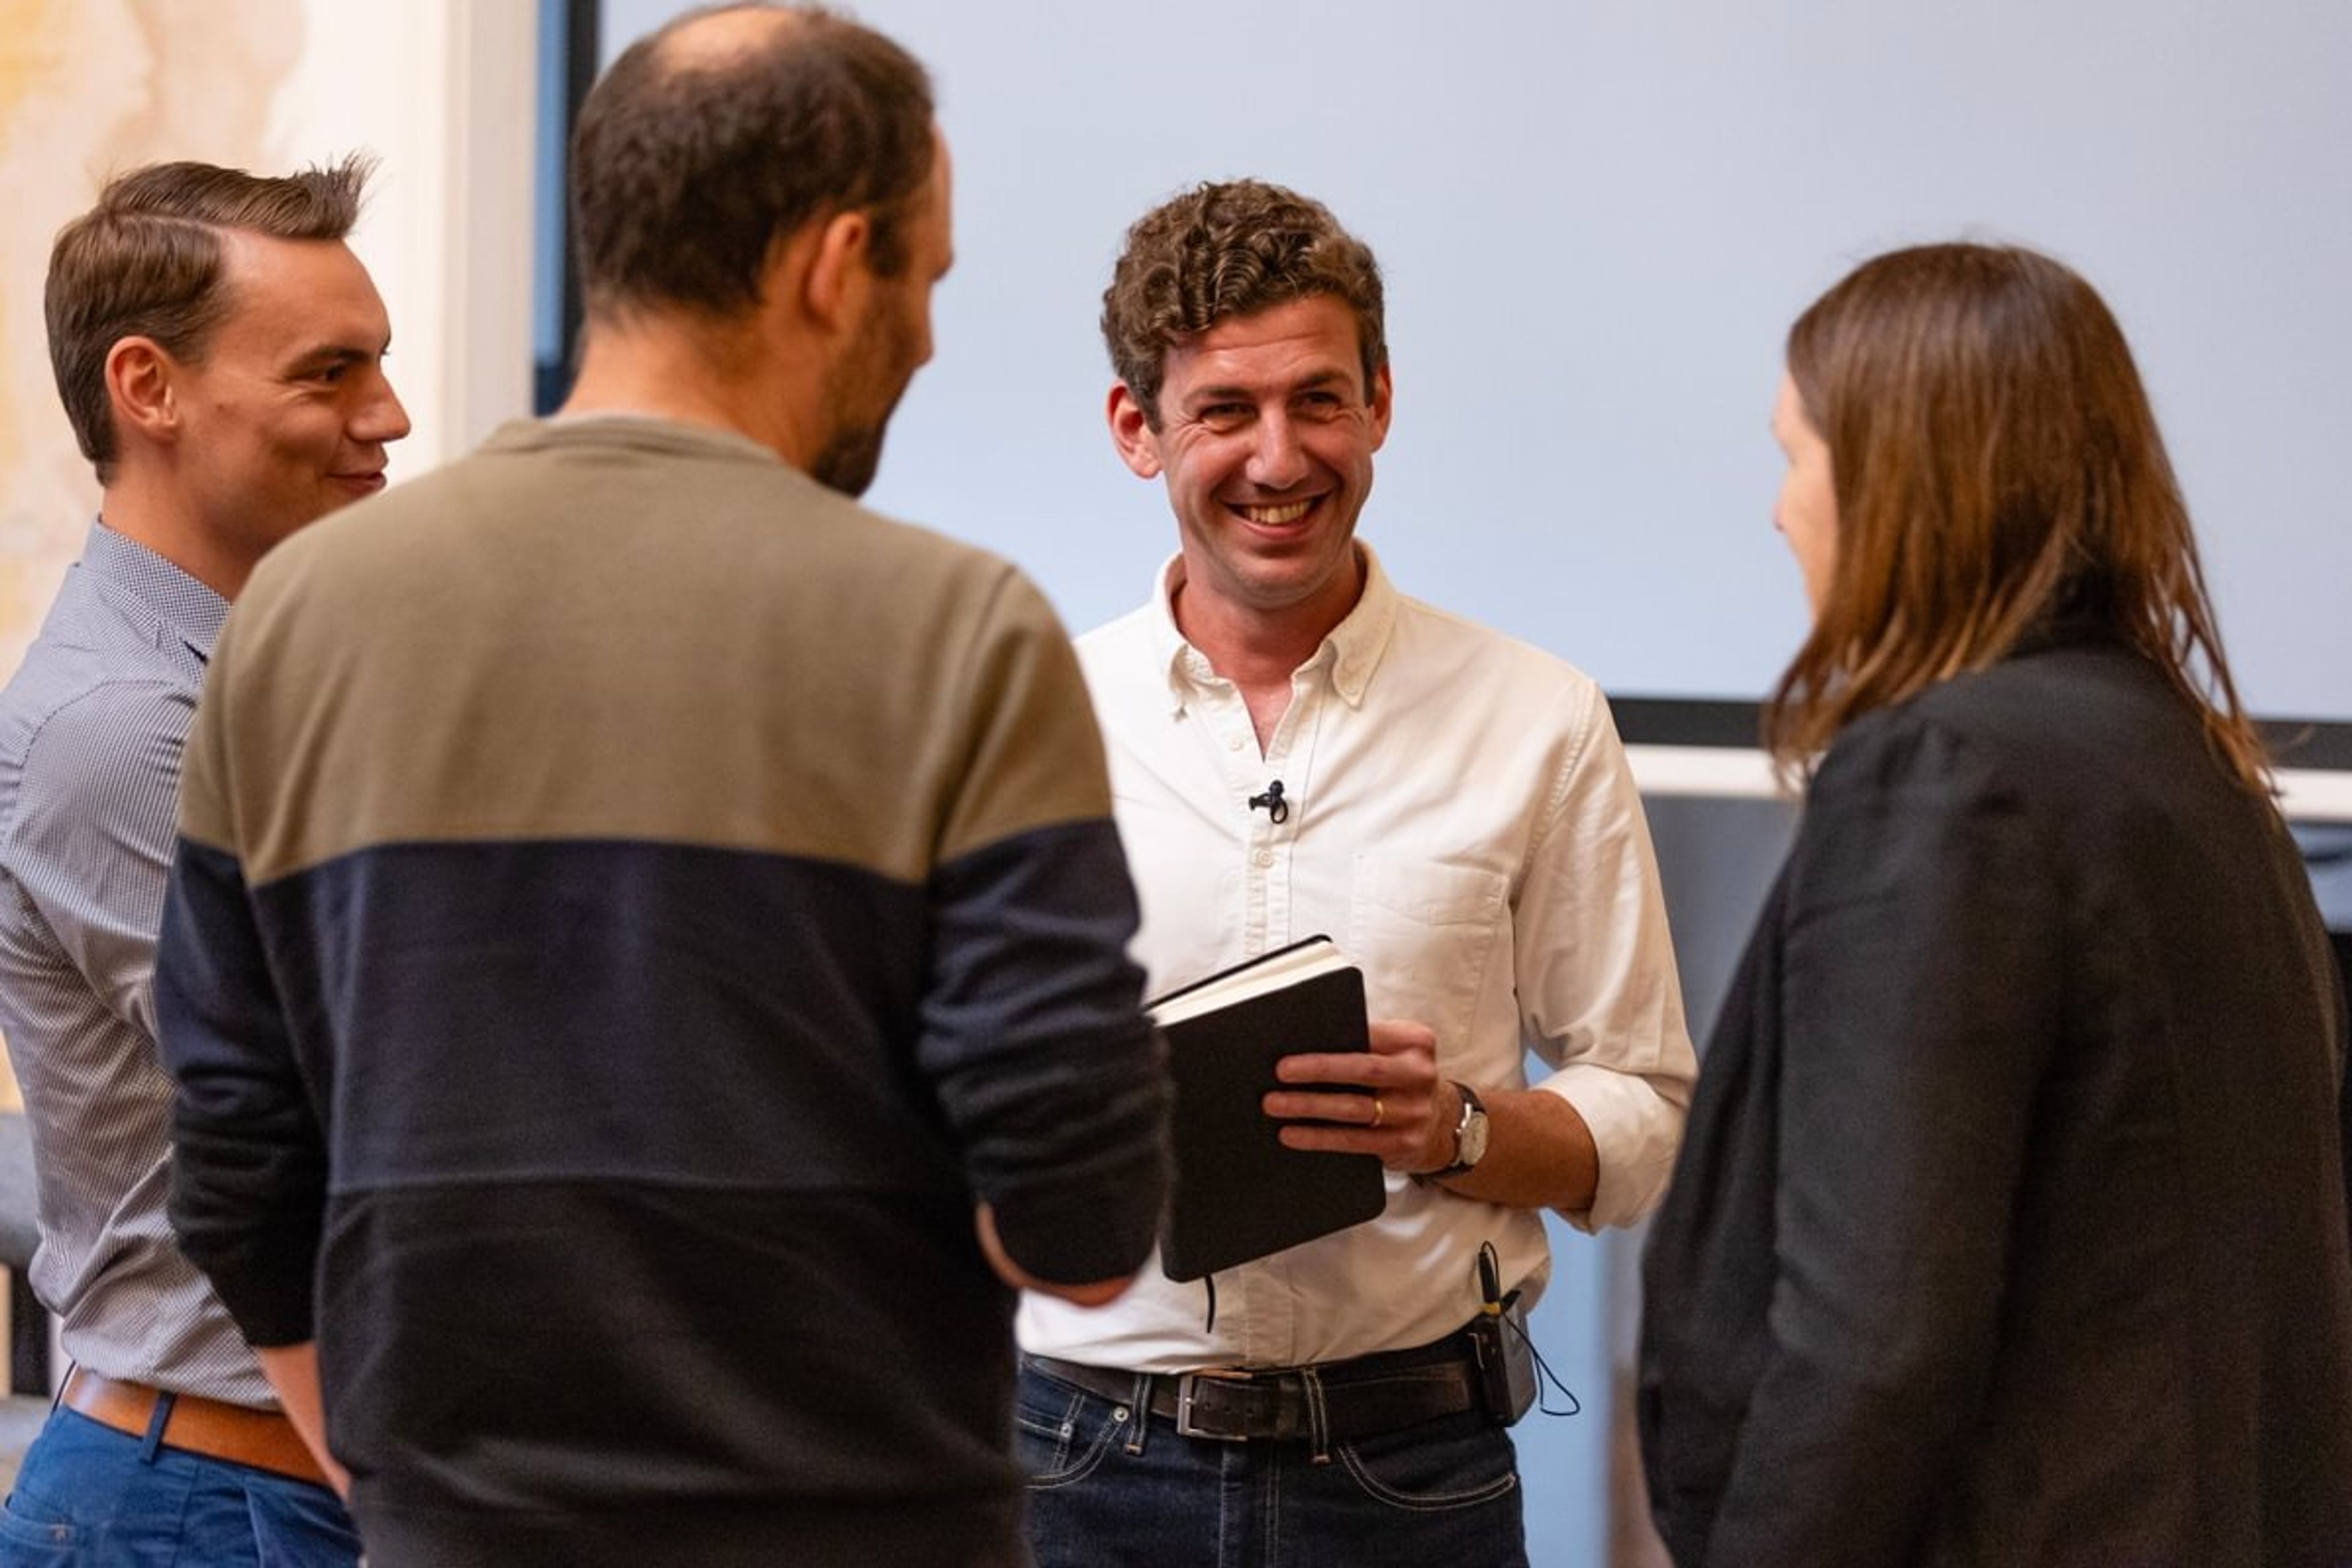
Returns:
<point x="690" y="166"/>
<point x="146" y="262"/>
<point x="1231" y="249"/>
<point x="1997" y="468"/>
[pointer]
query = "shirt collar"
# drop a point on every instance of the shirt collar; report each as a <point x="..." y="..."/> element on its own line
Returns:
<point x="184" y="607"/>
<point x="1351" y="653"/>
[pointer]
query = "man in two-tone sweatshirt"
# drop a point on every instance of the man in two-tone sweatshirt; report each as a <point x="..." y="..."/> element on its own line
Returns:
<point x="646" y="963"/>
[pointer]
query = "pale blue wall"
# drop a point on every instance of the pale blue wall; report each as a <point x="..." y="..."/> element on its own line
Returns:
<point x="1597" y="221"/>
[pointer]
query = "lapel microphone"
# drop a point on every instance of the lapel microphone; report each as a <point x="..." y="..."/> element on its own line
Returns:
<point x="1277" y="808"/>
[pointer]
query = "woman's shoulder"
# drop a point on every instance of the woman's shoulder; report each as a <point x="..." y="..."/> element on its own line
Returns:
<point x="2045" y="712"/>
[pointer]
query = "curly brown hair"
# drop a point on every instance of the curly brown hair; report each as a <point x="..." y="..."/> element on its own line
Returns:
<point x="146" y="261"/>
<point x="1231" y="249"/>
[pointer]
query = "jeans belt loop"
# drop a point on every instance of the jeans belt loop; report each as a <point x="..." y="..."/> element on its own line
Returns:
<point x="152" y="1443"/>
<point x="1138" y="1407"/>
<point x="1319" y="1420"/>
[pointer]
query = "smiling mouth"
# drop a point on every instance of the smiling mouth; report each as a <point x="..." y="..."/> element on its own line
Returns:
<point x="1275" y="516"/>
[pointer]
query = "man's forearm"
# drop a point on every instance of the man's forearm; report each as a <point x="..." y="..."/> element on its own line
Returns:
<point x="248" y="1158"/>
<point x="1088" y="1293"/>
<point x="1539" y="1154"/>
<point x="1039" y="1053"/>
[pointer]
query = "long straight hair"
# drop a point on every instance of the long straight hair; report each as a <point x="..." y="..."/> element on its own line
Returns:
<point x="1997" y="468"/>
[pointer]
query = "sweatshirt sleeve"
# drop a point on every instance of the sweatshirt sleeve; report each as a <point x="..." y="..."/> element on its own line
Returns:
<point x="1033" y="1034"/>
<point x="249" y="1158"/>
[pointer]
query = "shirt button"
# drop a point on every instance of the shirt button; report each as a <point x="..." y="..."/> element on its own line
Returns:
<point x="1233" y="743"/>
<point x="1263" y="857"/>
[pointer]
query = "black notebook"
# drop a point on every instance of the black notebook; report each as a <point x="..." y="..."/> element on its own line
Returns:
<point x="1240" y="1195"/>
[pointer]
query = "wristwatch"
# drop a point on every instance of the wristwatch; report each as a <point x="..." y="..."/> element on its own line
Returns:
<point x="1469" y="1134"/>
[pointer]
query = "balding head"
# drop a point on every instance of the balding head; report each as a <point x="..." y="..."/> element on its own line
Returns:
<point x="714" y="140"/>
<point x="719" y="36"/>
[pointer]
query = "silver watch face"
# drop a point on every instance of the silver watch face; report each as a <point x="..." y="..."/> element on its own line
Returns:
<point x="1470" y="1147"/>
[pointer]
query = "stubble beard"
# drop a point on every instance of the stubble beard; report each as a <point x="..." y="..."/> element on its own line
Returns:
<point x="878" y="356"/>
<point x="849" y="460"/>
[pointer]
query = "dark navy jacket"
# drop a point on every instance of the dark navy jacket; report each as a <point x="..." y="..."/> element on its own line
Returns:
<point x="2010" y="1229"/>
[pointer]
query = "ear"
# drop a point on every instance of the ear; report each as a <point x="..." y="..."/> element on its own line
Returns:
<point x="138" y="384"/>
<point x="1383" y="396"/>
<point x="1131" y="433"/>
<point x="834" y="286"/>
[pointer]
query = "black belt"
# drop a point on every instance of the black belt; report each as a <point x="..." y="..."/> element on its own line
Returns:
<point x="1356" y="1398"/>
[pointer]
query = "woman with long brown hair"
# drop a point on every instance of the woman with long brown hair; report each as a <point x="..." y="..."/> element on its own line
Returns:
<point x="2009" y="1226"/>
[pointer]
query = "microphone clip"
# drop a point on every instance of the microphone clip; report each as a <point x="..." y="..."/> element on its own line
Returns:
<point x="1275" y="808"/>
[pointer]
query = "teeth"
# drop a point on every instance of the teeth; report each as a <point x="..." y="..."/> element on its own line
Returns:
<point x="1291" y="512"/>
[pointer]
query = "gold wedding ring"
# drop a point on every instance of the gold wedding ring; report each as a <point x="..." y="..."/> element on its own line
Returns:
<point x="1379" y="1110"/>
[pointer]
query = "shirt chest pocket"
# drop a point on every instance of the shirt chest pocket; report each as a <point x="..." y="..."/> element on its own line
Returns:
<point x="1425" y="933"/>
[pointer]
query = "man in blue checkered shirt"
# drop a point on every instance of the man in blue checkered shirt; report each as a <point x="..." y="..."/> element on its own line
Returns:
<point x="219" y="350"/>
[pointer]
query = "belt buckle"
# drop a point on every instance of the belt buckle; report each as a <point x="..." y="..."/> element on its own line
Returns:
<point x="1186" y="1384"/>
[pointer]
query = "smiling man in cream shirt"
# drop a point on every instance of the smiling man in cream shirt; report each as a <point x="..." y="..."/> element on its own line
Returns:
<point x="1296" y="748"/>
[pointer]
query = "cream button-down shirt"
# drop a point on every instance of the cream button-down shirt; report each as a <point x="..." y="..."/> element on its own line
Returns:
<point x="1464" y="824"/>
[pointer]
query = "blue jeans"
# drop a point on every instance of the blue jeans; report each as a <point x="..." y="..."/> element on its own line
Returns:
<point x="1112" y="1486"/>
<point x="90" y="1497"/>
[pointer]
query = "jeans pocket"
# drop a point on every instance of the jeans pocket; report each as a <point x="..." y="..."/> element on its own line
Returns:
<point x="297" y="1522"/>
<point x="1460" y="1462"/>
<point x="1060" y="1434"/>
<point x="35" y="1531"/>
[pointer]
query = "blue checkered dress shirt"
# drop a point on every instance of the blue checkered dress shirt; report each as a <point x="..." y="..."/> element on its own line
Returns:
<point x="91" y="728"/>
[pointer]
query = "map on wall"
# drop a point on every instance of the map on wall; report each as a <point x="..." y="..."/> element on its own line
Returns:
<point x="89" y="88"/>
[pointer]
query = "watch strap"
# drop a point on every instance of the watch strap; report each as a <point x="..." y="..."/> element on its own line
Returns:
<point x="1471" y="1108"/>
